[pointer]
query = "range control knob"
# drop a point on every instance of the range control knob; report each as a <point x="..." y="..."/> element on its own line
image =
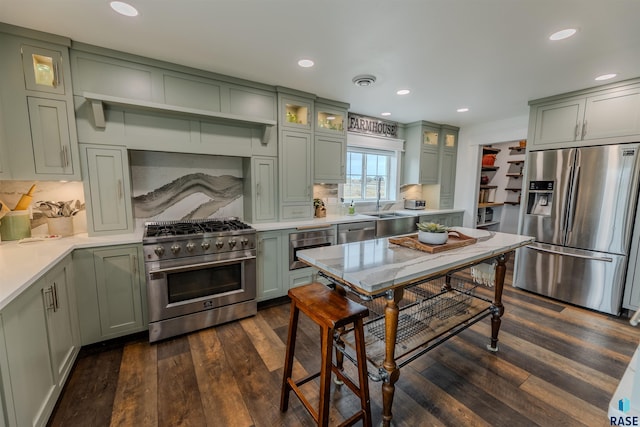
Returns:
<point x="244" y="241"/>
<point x="219" y="244"/>
<point x="190" y="247"/>
<point x="159" y="251"/>
<point x="205" y="246"/>
<point x="175" y="249"/>
<point x="232" y="243"/>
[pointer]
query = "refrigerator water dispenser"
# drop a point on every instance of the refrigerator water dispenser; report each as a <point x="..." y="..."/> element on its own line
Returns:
<point x="540" y="199"/>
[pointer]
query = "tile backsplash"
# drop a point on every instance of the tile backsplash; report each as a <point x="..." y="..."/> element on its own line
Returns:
<point x="57" y="191"/>
<point x="329" y="194"/>
<point x="174" y="186"/>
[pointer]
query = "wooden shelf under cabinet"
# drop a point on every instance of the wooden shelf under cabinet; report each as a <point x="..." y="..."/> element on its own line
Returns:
<point x="515" y="162"/>
<point x="488" y="187"/>
<point x="512" y="203"/>
<point x="489" y="205"/>
<point x="513" y="189"/>
<point x="490" y="150"/>
<point x="517" y="148"/>
<point x="490" y="168"/>
<point x="514" y="175"/>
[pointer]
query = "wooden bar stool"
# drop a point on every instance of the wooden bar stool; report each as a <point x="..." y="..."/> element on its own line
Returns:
<point x="329" y="310"/>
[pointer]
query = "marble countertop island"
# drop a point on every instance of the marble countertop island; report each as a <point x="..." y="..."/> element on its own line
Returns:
<point x="376" y="265"/>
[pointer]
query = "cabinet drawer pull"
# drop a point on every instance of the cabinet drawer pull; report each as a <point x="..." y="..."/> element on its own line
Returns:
<point x="120" y="189"/>
<point x="575" y="133"/>
<point x="584" y="129"/>
<point x="56" y="75"/>
<point x="47" y="294"/>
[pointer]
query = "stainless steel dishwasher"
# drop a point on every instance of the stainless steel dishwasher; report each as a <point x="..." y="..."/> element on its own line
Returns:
<point x="356" y="231"/>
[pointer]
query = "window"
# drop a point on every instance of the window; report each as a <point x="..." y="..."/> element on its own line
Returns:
<point x="366" y="169"/>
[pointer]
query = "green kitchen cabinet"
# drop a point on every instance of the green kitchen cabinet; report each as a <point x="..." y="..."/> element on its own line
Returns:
<point x="330" y="154"/>
<point x="296" y="178"/>
<point x="37" y="106"/>
<point x="422" y="153"/>
<point x="111" y="289"/>
<point x="330" y="117"/>
<point x="272" y="259"/>
<point x="448" y="159"/>
<point x="42" y="342"/>
<point x="600" y="115"/>
<point x="295" y="112"/>
<point x="105" y="172"/>
<point x="260" y="189"/>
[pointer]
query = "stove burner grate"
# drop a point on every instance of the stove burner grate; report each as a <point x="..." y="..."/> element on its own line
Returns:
<point x="190" y="227"/>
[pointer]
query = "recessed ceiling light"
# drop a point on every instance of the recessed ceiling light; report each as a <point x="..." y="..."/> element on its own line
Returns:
<point x="403" y="92"/>
<point x="562" y="34"/>
<point x="364" y="80"/>
<point x="305" y="63"/>
<point x="385" y="114"/>
<point x="462" y="110"/>
<point x="123" y="8"/>
<point x="606" y="76"/>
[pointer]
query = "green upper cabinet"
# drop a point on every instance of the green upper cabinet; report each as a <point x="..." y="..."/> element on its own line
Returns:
<point x="43" y="69"/>
<point x="37" y="108"/>
<point x="295" y="167"/>
<point x="260" y="189"/>
<point x="331" y="117"/>
<point x="605" y="114"/>
<point x="330" y="142"/>
<point x="448" y="159"/>
<point x="295" y="112"/>
<point x="107" y="189"/>
<point x="422" y="153"/>
<point x="330" y="154"/>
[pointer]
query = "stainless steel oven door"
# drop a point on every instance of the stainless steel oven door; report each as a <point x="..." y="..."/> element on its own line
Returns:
<point x="185" y="286"/>
<point x="307" y="240"/>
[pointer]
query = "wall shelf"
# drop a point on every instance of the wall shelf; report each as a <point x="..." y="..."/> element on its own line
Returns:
<point x="490" y="168"/>
<point x="488" y="205"/>
<point x="98" y="101"/>
<point x="490" y="150"/>
<point x="488" y="187"/>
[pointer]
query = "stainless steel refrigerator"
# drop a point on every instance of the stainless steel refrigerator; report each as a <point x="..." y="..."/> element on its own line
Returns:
<point x="579" y="205"/>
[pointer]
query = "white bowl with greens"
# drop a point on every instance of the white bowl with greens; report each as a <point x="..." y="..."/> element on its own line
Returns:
<point x="432" y="233"/>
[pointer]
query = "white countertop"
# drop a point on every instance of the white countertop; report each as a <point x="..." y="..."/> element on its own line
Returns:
<point x="21" y="264"/>
<point x="375" y="265"/>
<point x="341" y="219"/>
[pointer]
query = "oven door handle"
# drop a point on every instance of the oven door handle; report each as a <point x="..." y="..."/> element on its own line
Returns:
<point x="200" y="265"/>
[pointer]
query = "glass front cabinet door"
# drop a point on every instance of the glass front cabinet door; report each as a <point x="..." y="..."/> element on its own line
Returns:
<point x="42" y="69"/>
<point x="296" y="113"/>
<point x="330" y="121"/>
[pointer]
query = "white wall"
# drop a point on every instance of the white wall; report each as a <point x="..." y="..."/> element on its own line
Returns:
<point x="468" y="166"/>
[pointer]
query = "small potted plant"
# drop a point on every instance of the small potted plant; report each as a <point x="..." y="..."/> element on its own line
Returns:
<point x="320" y="210"/>
<point x="432" y="233"/>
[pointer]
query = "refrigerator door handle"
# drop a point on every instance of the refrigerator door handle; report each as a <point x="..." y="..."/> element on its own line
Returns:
<point x="551" y="251"/>
<point x="574" y="196"/>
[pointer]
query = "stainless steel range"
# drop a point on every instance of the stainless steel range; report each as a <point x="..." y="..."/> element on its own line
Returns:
<point x="199" y="273"/>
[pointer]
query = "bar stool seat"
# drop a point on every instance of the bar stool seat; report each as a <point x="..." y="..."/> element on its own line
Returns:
<point x="329" y="310"/>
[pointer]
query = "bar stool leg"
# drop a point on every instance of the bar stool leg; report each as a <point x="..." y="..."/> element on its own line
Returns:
<point x="363" y="380"/>
<point x="288" y="360"/>
<point x="325" y="377"/>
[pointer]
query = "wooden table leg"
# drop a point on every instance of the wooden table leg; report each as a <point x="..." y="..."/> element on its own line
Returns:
<point x="498" y="308"/>
<point x="393" y="372"/>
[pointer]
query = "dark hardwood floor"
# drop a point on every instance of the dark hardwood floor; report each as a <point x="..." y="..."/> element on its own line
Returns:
<point x="557" y="365"/>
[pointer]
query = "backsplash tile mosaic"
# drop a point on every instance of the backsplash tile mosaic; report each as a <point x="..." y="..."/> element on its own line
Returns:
<point x="174" y="186"/>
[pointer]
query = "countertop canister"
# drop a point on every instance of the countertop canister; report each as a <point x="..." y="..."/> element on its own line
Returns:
<point x="15" y="225"/>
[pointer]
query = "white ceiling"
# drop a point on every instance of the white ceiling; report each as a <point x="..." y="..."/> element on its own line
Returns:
<point x="491" y="56"/>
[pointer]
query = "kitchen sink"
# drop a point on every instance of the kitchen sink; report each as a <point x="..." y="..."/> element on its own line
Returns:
<point x="393" y="224"/>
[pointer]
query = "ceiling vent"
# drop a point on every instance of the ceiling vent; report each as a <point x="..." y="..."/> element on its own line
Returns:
<point x="364" y="80"/>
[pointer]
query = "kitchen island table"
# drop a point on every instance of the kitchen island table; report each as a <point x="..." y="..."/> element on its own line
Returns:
<point x="415" y="299"/>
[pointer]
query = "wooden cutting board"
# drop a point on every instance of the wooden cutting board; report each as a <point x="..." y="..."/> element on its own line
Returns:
<point x="455" y="240"/>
